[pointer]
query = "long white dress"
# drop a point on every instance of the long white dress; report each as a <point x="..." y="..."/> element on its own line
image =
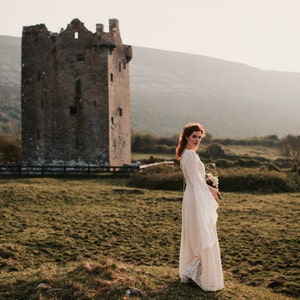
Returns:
<point x="200" y="258"/>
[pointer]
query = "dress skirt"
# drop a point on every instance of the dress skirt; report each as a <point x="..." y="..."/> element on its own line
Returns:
<point x="200" y="258"/>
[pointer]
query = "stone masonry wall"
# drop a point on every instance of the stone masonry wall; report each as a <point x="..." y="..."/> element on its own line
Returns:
<point x="75" y="96"/>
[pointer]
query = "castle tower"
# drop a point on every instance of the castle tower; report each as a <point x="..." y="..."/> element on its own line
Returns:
<point x="75" y="96"/>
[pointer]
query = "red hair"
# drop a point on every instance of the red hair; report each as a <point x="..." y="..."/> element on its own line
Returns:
<point x="186" y="132"/>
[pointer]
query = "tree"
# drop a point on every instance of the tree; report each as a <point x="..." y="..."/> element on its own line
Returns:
<point x="214" y="150"/>
<point x="290" y="147"/>
<point x="10" y="149"/>
<point x="143" y="142"/>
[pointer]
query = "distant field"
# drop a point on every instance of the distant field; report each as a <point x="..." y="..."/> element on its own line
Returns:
<point x="94" y="238"/>
<point x="238" y="150"/>
<point x="253" y="151"/>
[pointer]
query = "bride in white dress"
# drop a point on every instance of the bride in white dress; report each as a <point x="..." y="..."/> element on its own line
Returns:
<point x="199" y="259"/>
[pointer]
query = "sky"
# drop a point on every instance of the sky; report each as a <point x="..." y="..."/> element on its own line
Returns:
<point x="259" y="33"/>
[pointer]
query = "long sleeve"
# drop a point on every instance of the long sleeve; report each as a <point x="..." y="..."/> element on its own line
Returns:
<point x="199" y="258"/>
<point x="206" y="206"/>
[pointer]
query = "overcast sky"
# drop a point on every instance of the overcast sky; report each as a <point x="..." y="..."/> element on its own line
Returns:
<point x="260" y="33"/>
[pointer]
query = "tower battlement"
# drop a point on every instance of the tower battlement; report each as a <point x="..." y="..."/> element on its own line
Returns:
<point x="75" y="95"/>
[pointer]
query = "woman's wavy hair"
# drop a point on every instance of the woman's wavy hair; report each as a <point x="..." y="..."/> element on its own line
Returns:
<point x="186" y="132"/>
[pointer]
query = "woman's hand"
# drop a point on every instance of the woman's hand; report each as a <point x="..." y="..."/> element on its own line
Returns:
<point x="215" y="193"/>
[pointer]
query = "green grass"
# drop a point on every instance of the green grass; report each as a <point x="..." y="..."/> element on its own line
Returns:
<point x="94" y="238"/>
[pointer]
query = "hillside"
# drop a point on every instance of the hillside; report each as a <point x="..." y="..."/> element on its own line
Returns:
<point x="169" y="89"/>
<point x="230" y="99"/>
<point x="10" y="87"/>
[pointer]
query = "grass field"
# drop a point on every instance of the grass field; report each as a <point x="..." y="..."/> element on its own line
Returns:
<point x="95" y="238"/>
<point x="253" y="151"/>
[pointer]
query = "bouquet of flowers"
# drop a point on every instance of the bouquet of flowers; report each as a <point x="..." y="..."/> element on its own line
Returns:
<point x="213" y="181"/>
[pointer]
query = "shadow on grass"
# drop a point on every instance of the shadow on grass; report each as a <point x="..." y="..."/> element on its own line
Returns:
<point x="182" y="291"/>
<point x="102" y="281"/>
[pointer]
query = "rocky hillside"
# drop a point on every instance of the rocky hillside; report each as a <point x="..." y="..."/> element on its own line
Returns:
<point x="169" y="89"/>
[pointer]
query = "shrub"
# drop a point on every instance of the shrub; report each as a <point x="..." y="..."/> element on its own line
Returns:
<point x="248" y="163"/>
<point x="159" y="178"/>
<point x="224" y="163"/>
<point x="214" y="150"/>
<point x="10" y="150"/>
<point x="231" y="180"/>
<point x="258" y="181"/>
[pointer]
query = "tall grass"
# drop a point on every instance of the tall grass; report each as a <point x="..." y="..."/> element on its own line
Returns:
<point x="95" y="238"/>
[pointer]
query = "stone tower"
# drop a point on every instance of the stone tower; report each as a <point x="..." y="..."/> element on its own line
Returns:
<point x="75" y="96"/>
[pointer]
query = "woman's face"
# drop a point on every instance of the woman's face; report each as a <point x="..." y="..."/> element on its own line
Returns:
<point x="193" y="140"/>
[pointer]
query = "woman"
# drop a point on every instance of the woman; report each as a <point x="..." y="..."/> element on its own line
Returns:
<point x="200" y="260"/>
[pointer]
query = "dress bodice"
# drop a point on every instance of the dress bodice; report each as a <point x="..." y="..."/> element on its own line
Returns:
<point x="192" y="166"/>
